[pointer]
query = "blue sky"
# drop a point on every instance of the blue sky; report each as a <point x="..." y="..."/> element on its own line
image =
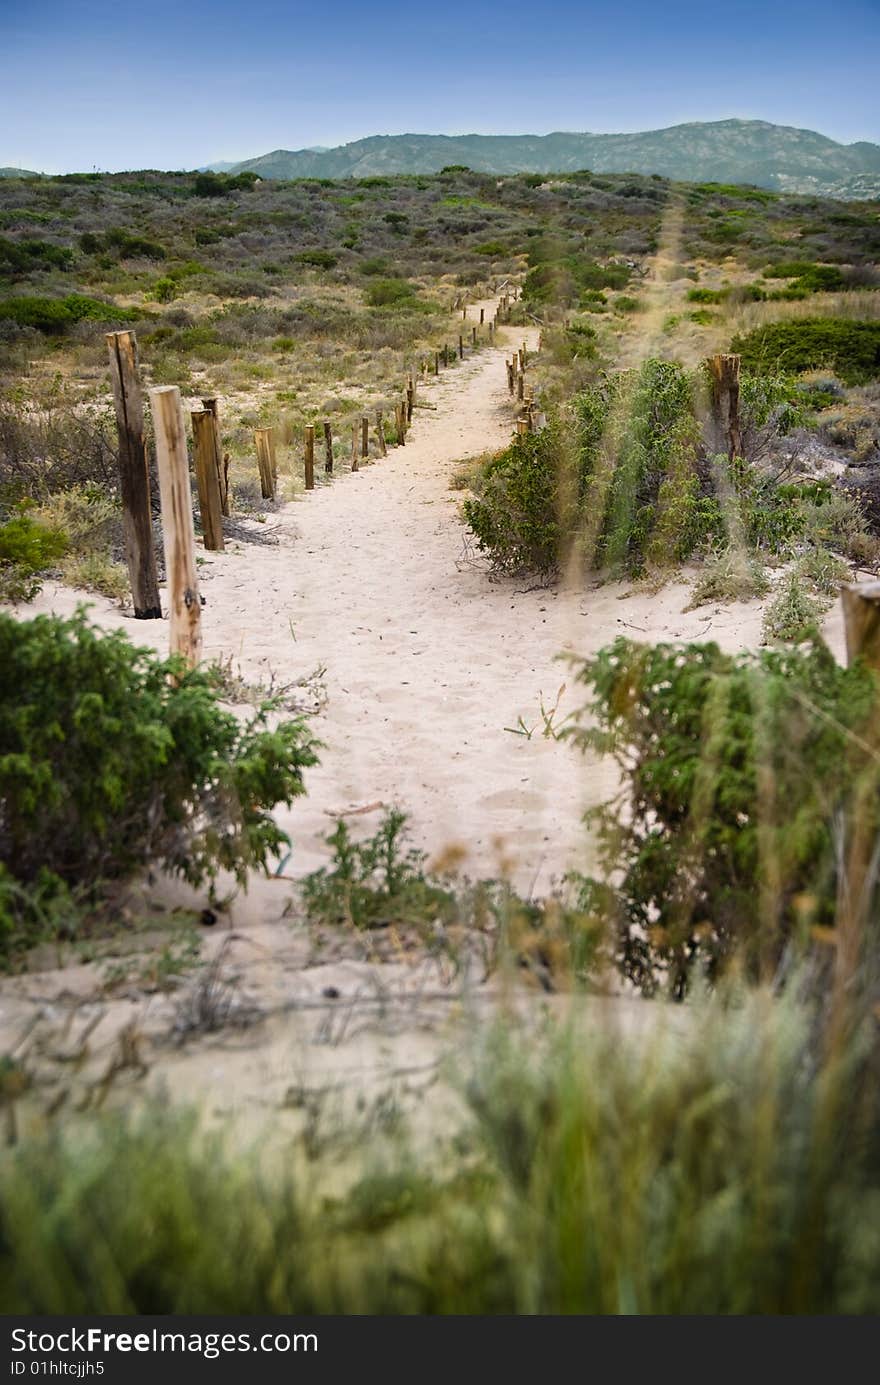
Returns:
<point x="106" y="84"/>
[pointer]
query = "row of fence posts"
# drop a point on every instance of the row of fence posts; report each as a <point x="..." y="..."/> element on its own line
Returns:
<point x="211" y="466"/>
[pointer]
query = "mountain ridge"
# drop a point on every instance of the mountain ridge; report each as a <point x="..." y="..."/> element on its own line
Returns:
<point x="782" y="158"/>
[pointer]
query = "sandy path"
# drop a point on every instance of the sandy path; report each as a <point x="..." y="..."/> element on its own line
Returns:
<point x="428" y="659"/>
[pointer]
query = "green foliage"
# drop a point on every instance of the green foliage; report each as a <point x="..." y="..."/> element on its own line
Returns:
<point x="707" y="295"/>
<point x="793" y="615"/>
<point x="26" y="256"/>
<point x="222" y="184"/>
<point x="734" y="771"/>
<point x="27" y="548"/>
<point x="713" y="1168"/>
<point x="518" y="496"/>
<point x="850" y="348"/>
<point x="732" y="574"/>
<point x="320" y="259"/>
<point x="112" y="759"/>
<point x="375" y="883"/>
<point x="389" y="293"/>
<point x="494" y="248"/>
<point x="822" y="570"/>
<point x="618" y="479"/>
<point x="55" y="315"/>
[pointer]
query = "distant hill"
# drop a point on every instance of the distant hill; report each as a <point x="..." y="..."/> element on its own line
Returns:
<point x="727" y="151"/>
<point x="17" y="173"/>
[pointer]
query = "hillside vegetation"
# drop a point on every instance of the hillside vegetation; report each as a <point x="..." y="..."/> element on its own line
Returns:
<point x="735" y="151"/>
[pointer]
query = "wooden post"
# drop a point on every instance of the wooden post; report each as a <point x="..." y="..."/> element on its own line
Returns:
<point x="511" y="381"/>
<point x="365" y="437"/>
<point x="222" y="459"/>
<point x="355" y="430"/>
<point x="400" y="419"/>
<point x="461" y="348"/>
<point x="724" y="372"/>
<point x="380" y="434"/>
<point x="464" y="313"/>
<point x="861" y="619"/>
<point x="522" y="426"/>
<point x="482" y="316"/>
<point x="134" y="476"/>
<point x="264" y="462"/>
<point x="492" y="330"/>
<point x="328" y="447"/>
<point x="520" y="385"/>
<point x="184" y="603"/>
<point x="446" y="353"/>
<point x="410" y="396"/>
<point x="436" y="362"/>
<point x="207" y="481"/>
<point x="473" y="336"/>
<point x="309" y="466"/>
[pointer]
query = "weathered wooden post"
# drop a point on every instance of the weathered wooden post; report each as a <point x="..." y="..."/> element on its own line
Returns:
<point x="355" y="432"/>
<point x="172" y="464"/>
<point x="436" y="362"/>
<point x="365" y="437"/>
<point x="309" y="466"/>
<point x="461" y="348"/>
<point x="207" y="481"/>
<point x="482" y="316"/>
<point x="522" y="427"/>
<point x="520" y="385"/>
<point x="464" y="313"/>
<point x="492" y="330"/>
<point x="134" y="476"/>
<point x="380" y="434"/>
<point x="222" y="459"/>
<point x="264" y="462"/>
<point x="410" y="397"/>
<point x="511" y="377"/>
<point x="724" y="373"/>
<point x="328" y="447"/>
<point x="473" y="336"/>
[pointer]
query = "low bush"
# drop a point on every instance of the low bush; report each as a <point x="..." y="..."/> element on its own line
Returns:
<point x="377" y="882"/>
<point x="112" y="759"/>
<point x="723" y="840"/>
<point x="57" y="315"/>
<point x="389" y="293"/>
<point x="27" y="549"/>
<point x="850" y="348"/>
<point x="733" y="574"/>
<point x="793" y="615"/>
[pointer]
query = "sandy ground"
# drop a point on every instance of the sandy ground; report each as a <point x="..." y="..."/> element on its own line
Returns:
<point x="429" y="661"/>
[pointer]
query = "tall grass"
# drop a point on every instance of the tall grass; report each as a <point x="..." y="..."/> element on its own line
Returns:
<point x="719" y="1165"/>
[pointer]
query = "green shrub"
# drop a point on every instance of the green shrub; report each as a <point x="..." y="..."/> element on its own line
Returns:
<point x="27" y="549"/>
<point x="822" y="570"/>
<point x="618" y="479"/>
<point x="26" y="256"/>
<point x="850" y="348"/>
<point x="494" y="248"/>
<point x="793" y="615"/>
<point x="375" y="883"/>
<point x="55" y="315"/>
<point x="733" y="574"/>
<point x="389" y="293"/>
<point x="320" y="259"/>
<point x="707" y="295"/>
<point x="734" y="771"/>
<point x="112" y="759"/>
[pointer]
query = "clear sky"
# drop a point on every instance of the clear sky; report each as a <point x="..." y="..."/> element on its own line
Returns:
<point x="112" y="84"/>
